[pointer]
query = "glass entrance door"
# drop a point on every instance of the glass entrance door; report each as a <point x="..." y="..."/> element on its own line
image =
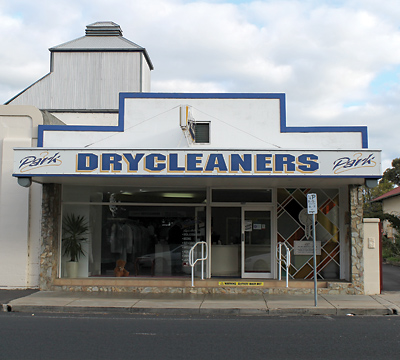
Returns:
<point x="256" y="243"/>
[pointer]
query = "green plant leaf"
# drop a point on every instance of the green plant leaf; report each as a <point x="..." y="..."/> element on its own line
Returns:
<point x="75" y="231"/>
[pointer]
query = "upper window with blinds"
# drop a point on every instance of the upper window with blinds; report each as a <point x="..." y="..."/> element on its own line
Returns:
<point x="202" y="132"/>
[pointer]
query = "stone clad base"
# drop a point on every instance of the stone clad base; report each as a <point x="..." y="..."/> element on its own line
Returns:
<point x="208" y="286"/>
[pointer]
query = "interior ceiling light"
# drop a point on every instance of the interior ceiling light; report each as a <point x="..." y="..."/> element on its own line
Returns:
<point x="178" y="195"/>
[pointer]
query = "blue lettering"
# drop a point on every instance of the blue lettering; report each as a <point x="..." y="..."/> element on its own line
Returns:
<point x="87" y="162"/>
<point x="262" y="162"/>
<point x="340" y="162"/>
<point x="111" y="162"/>
<point x="216" y="161"/>
<point x="153" y="162"/>
<point x="308" y="163"/>
<point x="243" y="162"/>
<point x="31" y="161"/>
<point x="285" y="162"/>
<point x="192" y="160"/>
<point x="173" y="163"/>
<point x="132" y="161"/>
<point x="346" y="163"/>
<point x="368" y="160"/>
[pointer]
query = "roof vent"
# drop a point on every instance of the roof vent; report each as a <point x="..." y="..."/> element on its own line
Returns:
<point x="103" y="28"/>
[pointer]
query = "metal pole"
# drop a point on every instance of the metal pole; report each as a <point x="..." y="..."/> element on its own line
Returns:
<point x="202" y="261"/>
<point x="280" y="261"/>
<point x="287" y="270"/>
<point x="287" y="266"/>
<point x="315" y="262"/>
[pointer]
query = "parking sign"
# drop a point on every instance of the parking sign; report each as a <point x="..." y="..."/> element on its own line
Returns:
<point x="312" y="206"/>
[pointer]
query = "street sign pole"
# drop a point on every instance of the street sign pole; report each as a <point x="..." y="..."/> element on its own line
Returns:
<point x="315" y="262"/>
<point x="312" y="208"/>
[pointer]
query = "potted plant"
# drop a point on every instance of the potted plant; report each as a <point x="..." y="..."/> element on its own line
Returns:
<point x="75" y="231"/>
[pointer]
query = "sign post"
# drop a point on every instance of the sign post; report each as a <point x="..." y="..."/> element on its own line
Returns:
<point x="312" y="208"/>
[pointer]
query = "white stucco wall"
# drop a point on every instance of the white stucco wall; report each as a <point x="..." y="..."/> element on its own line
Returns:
<point x="391" y="205"/>
<point x="20" y="208"/>
<point x="234" y="124"/>
<point x="371" y="257"/>
<point x="93" y="119"/>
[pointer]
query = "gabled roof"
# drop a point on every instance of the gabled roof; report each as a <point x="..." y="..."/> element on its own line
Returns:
<point x="102" y="36"/>
<point x="389" y="194"/>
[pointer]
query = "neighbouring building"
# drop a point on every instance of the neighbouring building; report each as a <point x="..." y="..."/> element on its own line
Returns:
<point x="155" y="173"/>
<point x="390" y="205"/>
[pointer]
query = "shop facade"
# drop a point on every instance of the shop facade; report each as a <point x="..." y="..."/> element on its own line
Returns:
<point x="216" y="169"/>
<point x="152" y="174"/>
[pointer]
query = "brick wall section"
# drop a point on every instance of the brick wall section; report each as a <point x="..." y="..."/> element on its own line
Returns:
<point x="51" y="216"/>
<point x="357" y="237"/>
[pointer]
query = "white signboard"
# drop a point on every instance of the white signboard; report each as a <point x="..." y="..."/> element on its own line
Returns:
<point x="124" y="162"/>
<point x="248" y="225"/>
<point x="306" y="248"/>
<point x="312" y="206"/>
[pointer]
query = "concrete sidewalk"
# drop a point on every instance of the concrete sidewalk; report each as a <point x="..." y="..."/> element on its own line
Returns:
<point x="189" y="304"/>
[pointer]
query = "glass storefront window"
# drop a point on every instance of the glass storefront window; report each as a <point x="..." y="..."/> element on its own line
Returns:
<point x="156" y="196"/>
<point x="151" y="230"/>
<point x="152" y="240"/>
<point x="242" y="195"/>
<point x="148" y="240"/>
<point x="133" y="195"/>
<point x="291" y="229"/>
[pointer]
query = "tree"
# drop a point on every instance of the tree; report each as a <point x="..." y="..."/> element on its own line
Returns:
<point x="374" y="209"/>
<point x="392" y="248"/>
<point x="393" y="174"/>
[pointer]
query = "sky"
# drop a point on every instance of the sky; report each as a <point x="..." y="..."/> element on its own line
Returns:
<point x="338" y="62"/>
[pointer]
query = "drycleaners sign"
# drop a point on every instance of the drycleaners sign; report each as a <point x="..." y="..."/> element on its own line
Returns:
<point x="47" y="162"/>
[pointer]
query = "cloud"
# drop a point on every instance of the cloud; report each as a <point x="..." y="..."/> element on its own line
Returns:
<point x="337" y="61"/>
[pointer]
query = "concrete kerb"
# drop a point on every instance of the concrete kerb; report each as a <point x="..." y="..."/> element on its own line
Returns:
<point x="208" y="305"/>
<point x="393" y="307"/>
<point x="358" y="305"/>
<point x="238" y="312"/>
<point x="164" y="311"/>
<point x="234" y="311"/>
<point x="363" y="311"/>
<point x="302" y="311"/>
<point x="68" y="309"/>
<point x="203" y="311"/>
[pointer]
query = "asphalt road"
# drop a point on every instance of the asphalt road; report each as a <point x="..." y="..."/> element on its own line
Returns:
<point x="391" y="277"/>
<point x="44" y="336"/>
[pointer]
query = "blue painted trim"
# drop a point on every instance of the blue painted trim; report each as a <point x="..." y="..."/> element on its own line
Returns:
<point x="280" y="96"/>
<point x="151" y="95"/>
<point x="321" y="129"/>
<point x="118" y="128"/>
<point x="202" y="176"/>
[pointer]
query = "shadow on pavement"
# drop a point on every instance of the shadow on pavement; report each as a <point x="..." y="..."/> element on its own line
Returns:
<point x="7" y="295"/>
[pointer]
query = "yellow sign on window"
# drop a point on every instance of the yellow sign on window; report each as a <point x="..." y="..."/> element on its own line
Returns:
<point x="240" y="283"/>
